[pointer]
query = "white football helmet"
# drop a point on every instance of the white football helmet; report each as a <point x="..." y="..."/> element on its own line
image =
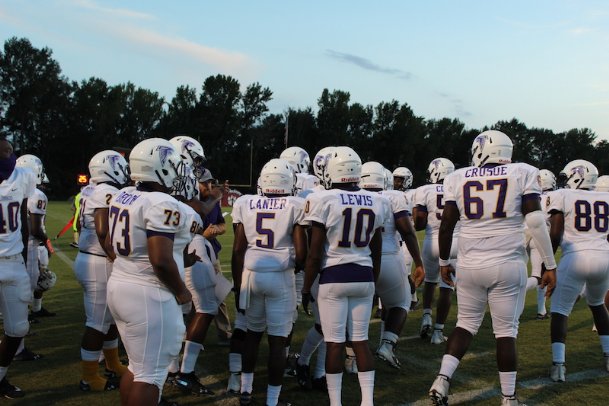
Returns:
<point x="579" y="174"/>
<point x="344" y="166"/>
<point x="156" y="160"/>
<point x="298" y="158"/>
<point x="602" y="184"/>
<point x="277" y="177"/>
<point x="388" y="179"/>
<point x="438" y="169"/>
<point x="191" y="152"/>
<point x="186" y="186"/>
<point x="402" y="172"/>
<point x="34" y="163"/>
<point x="491" y="147"/>
<point x="548" y="180"/>
<point x="109" y="166"/>
<point x="320" y="162"/>
<point x="258" y="187"/>
<point x="46" y="280"/>
<point x="373" y="176"/>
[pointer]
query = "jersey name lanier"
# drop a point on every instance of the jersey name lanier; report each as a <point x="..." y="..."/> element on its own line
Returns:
<point x="183" y="237"/>
<point x="350" y="219"/>
<point x="134" y="216"/>
<point x="37" y="204"/>
<point x="20" y="185"/>
<point x="489" y="200"/>
<point x="395" y="207"/>
<point x="586" y="216"/>
<point x="268" y="223"/>
<point x="92" y="198"/>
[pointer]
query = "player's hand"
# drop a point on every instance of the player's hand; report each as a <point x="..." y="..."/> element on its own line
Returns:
<point x="548" y="280"/>
<point x="183" y="296"/>
<point x="211" y="232"/>
<point x="190" y="259"/>
<point x="307" y="298"/>
<point x="216" y="191"/>
<point x="447" y="273"/>
<point x="419" y="276"/>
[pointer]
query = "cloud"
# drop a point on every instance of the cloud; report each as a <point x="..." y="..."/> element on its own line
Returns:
<point x="457" y="104"/>
<point x="115" y="12"/>
<point x="577" y="31"/>
<point x="367" y="64"/>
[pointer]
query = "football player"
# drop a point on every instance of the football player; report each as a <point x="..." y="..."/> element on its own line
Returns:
<point x="300" y="161"/>
<point x="428" y="206"/>
<point x="392" y="285"/>
<point x="146" y="289"/>
<point x="492" y="199"/>
<point x="93" y="265"/>
<point x="579" y="222"/>
<point x="16" y="186"/>
<point x="602" y="185"/>
<point x="346" y="247"/>
<point x="270" y="243"/>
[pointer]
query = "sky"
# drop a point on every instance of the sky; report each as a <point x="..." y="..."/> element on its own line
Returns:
<point x="544" y="62"/>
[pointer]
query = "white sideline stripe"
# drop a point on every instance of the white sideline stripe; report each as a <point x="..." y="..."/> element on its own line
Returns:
<point x="474" y="355"/>
<point x="64" y="258"/>
<point x="409" y="338"/>
<point x="492" y="391"/>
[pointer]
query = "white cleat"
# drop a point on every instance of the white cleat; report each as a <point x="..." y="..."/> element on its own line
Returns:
<point x="351" y="364"/>
<point x="438" y="337"/>
<point x="557" y="372"/>
<point x="438" y="393"/>
<point x="234" y="383"/>
<point x="426" y="323"/>
<point x="511" y="401"/>
<point x="385" y="353"/>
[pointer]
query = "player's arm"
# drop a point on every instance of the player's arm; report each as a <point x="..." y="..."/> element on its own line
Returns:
<point x="25" y="234"/>
<point x="100" y="217"/>
<point x="557" y="228"/>
<point x="450" y="216"/>
<point x="160" y="253"/>
<point x="314" y="257"/>
<point x="419" y="214"/>
<point x="36" y="228"/>
<point x="299" y="238"/>
<point x="376" y="252"/>
<point x="205" y="207"/>
<point x="409" y="236"/>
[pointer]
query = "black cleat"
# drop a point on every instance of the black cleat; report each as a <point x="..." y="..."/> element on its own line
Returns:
<point x="190" y="383"/>
<point x="111" y="384"/>
<point x="27" y="355"/>
<point x="10" y="391"/>
<point x="303" y="375"/>
<point x="43" y="313"/>
<point x="320" y="383"/>
<point x="245" y="399"/>
<point x="165" y="402"/>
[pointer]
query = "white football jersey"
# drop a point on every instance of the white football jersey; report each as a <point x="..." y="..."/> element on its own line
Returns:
<point x="430" y="198"/>
<point x="37" y="204"/>
<point x="183" y="236"/>
<point x="92" y="198"/>
<point x="396" y="207"/>
<point x="489" y="200"/>
<point x="134" y="216"/>
<point x="410" y="195"/>
<point x="350" y="219"/>
<point x="20" y="185"/>
<point x="586" y="216"/>
<point x="268" y="223"/>
<point x="305" y="181"/>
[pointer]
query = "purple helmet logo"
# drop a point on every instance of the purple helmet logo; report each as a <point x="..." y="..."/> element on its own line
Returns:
<point x="113" y="160"/>
<point x="579" y="170"/>
<point x="187" y="145"/>
<point x="436" y="163"/>
<point x="164" y="153"/>
<point x="481" y="140"/>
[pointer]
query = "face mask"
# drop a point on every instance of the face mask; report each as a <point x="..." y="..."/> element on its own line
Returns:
<point x="7" y="166"/>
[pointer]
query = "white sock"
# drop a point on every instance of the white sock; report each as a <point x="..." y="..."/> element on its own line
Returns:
<point x="86" y="355"/>
<point x="541" y="300"/>
<point x="191" y="353"/>
<point x="414" y="297"/>
<point x="287" y="351"/>
<point x="272" y="395"/>
<point x="438" y="326"/>
<point x="36" y="304"/>
<point x="558" y="353"/>
<point x="427" y="311"/>
<point x="508" y="383"/>
<point x="174" y="365"/>
<point x="111" y="344"/>
<point x="234" y="362"/>
<point x="247" y="382"/>
<point x="335" y="383"/>
<point x="531" y="283"/>
<point x="366" y="384"/>
<point x="3" y="371"/>
<point x="310" y="344"/>
<point x="449" y="365"/>
<point x="389" y="336"/>
<point x="320" y="365"/>
<point x="604" y="344"/>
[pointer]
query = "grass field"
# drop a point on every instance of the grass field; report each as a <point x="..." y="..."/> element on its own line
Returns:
<point x="53" y="380"/>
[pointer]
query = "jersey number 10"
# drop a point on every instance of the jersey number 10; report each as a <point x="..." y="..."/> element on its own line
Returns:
<point x="361" y="238"/>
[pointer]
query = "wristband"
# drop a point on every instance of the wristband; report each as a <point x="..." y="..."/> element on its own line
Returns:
<point x="444" y="262"/>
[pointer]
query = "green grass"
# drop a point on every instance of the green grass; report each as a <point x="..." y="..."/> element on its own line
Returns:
<point x="54" y="379"/>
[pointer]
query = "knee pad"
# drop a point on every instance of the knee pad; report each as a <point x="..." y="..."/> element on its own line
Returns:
<point x="19" y="329"/>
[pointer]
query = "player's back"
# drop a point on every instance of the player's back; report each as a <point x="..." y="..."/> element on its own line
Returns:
<point x="134" y="216"/>
<point x="489" y="200"/>
<point x="92" y="198"/>
<point x="37" y="204"/>
<point x="396" y="207"/>
<point x="586" y="219"/>
<point x="268" y="223"/>
<point x="20" y="185"/>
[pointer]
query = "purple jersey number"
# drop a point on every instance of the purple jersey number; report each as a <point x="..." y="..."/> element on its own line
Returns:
<point x="474" y="205"/>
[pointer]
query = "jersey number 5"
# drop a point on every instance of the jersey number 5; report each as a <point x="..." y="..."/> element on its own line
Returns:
<point x="364" y="224"/>
<point x="262" y="231"/>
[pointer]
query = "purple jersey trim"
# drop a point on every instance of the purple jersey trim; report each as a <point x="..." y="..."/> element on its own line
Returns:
<point x="151" y="233"/>
<point x="346" y="273"/>
<point x="529" y="196"/>
<point x="400" y="214"/>
<point x="422" y="208"/>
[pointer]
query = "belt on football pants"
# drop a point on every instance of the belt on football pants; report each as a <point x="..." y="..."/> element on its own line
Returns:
<point x="90" y="253"/>
<point x="12" y="257"/>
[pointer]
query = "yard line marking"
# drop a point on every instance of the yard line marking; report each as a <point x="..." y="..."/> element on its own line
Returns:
<point x="474" y="355"/>
<point x="409" y="338"/>
<point x="64" y="258"/>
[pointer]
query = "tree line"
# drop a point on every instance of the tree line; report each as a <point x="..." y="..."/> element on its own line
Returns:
<point x="66" y="122"/>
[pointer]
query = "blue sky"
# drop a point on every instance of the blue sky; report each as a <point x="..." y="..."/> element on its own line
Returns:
<point x="545" y="62"/>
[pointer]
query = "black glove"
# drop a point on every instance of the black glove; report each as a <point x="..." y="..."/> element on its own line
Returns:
<point x="306" y="299"/>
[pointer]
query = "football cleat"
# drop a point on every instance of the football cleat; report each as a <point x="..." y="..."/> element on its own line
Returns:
<point x="426" y="324"/>
<point x="511" y="401"/>
<point x="245" y="399"/>
<point x="191" y="384"/>
<point x="167" y="402"/>
<point x="43" y="313"/>
<point x="320" y="383"/>
<point x="438" y="393"/>
<point x="234" y="383"/>
<point x="303" y="375"/>
<point x="111" y="384"/>
<point x="351" y="364"/>
<point x="171" y="377"/>
<point x="386" y="353"/>
<point x="438" y="337"/>
<point x="542" y="316"/>
<point x="557" y="372"/>
<point x="290" y="366"/>
<point x="27" y="355"/>
<point x="10" y="391"/>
